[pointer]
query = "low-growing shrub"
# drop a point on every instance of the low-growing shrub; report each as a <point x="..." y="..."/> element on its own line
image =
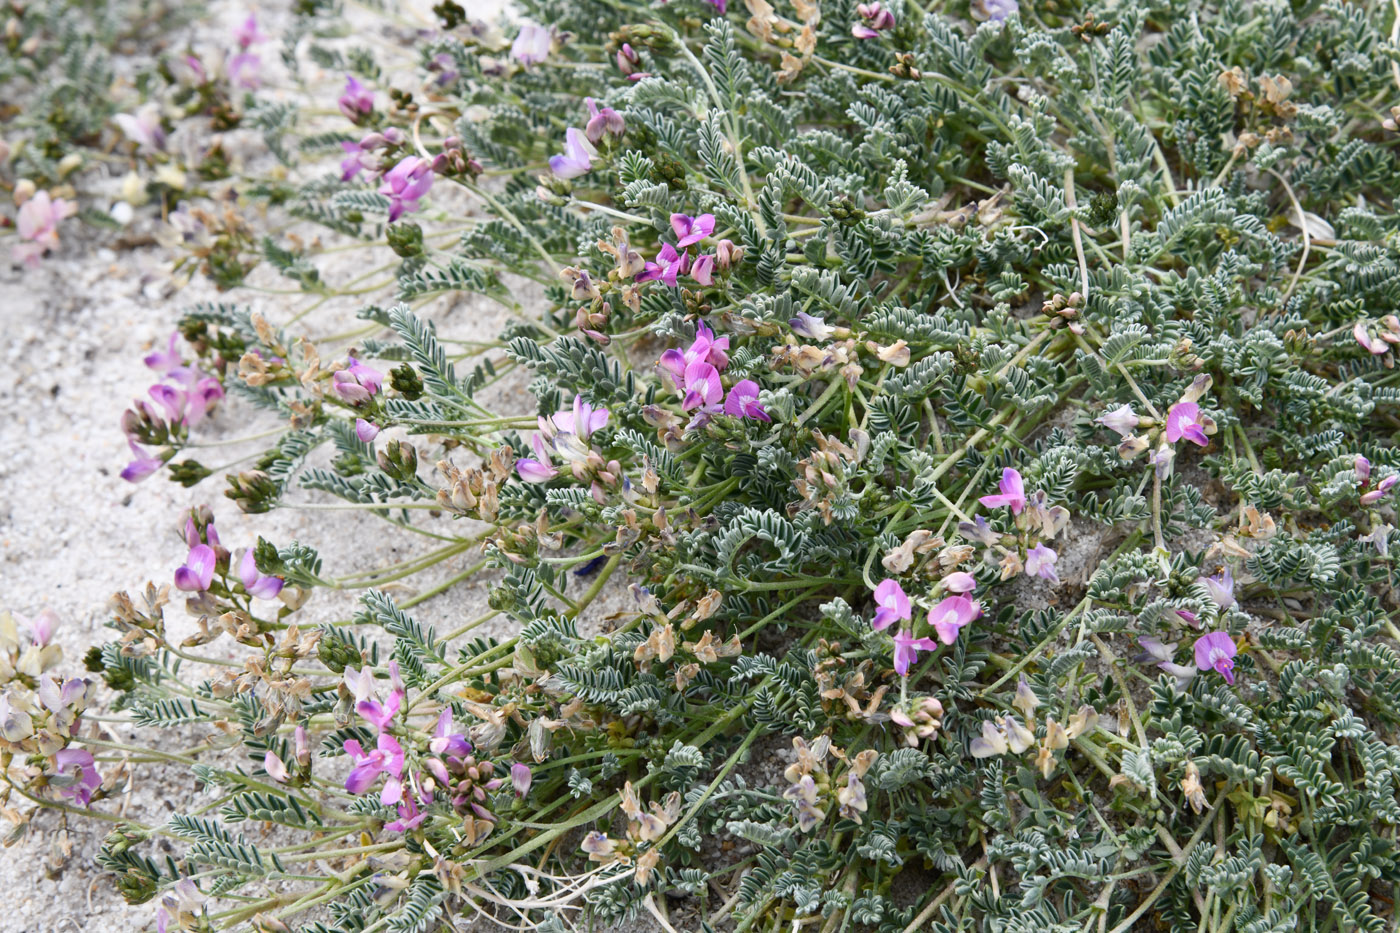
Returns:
<point x="990" y="412"/>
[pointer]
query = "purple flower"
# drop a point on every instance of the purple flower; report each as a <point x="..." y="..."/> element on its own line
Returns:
<point x="1183" y="420"/>
<point x="692" y="229"/>
<point x="628" y="60"/>
<point x="447" y="742"/>
<point x="702" y="386"/>
<point x="143" y="128"/>
<point x="520" y="779"/>
<point x="365" y="430"/>
<point x="1221" y="588"/>
<point x="198" y="572"/>
<point x="405" y="184"/>
<point x="356" y="160"/>
<point x="247" y="33"/>
<point x="1189" y="617"/>
<point x="86" y="778"/>
<point x="606" y="120"/>
<point x="907" y="648"/>
<point x="166" y="361"/>
<point x="742" y="402"/>
<point x="410" y="817"/>
<point x="254" y="583"/>
<point x="894" y="605"/>
<point x="813" y="328"/>
<point x="705" y="347"/>
<point x="1362" y="468"/>
<point x="668" y="267"/>
<point x="1154" y="650"/>
<point x="1216" y="651"/>
<point x="721" y="5"/>
<point x="1013" y="492"/>
<point x="243" y="70"/>
<point x="1383" y="487"/>
<point x="1040" y="562"/>
<point x="582" y="420"/>
<point x="356" y="101"/>
<point x="950" y="615"/>
<point x="577" y="158"/>
<point x="1121" y="420"/>
<point x="703" y="270"/>
<point x="532" y="45"/>
<point x="143" y="466"/>
<point x="539" y="470"/>
<point x="357" y="382"/>
<point x="387" y="758"/>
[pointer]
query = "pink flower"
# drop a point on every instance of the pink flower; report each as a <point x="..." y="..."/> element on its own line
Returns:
<point x="668" y="267"/>
<point x="41" y="627"/>
<point x="894" y="605"/>
<point x="143" y="466"/>
<point x="143" y="127"/>
<point x="1370" y="344"/>
<point x="365" y="430"/>
<point x="357" y="382"/>
<point x="703" y="271"/>
<point x="520" y="779"/>
<point x="874" y="20"/>
<point x="168" y="361"/>
<point x="1362" y="469"/>
<point x="198" y="572"/>
<point x="577" y="158"/>
<point x="1040" y="562"/>
<point x="705" y="347"/>
<point x="387" y="758"/>
<point x="702" y="386"/>
<point x="1383" y="487"/>
<point x="1183" y="420"/>
<point x="255" y="584"/>
<point x="581" y="420"/>
<point x="275" y="767"/>
<point x="959" y="582"/>
<point x="692" y="230"/>
<point x="950" y="615"/>
<point x="1216" y="651"/>
<point x="907" y="648"/>
<point x="405" y="184"/>
<point x="742" y="402"/>
<point x="37" y="225"/>
<point x="539" y="470"/>
<point x="445" y="741"/>
<point x="1013" y="492"/>
<point x="243" y="70"/>
<point x="247" y="33"/>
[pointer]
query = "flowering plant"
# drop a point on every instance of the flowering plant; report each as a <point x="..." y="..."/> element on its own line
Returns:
<point x="847" y="329"/>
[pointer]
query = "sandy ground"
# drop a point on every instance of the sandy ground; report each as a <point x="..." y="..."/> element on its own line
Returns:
<point x="72" y="532"/>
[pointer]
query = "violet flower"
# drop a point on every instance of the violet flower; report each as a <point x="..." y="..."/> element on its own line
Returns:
<point x="874" y="20"/>
<point x="894" y="605"/>
<point x="742" y="402"/>
<point x="37" y="225"/>
<point x="520" y="779"/>
<point x="907" y="648"/>
<point x="143" y="466"/>
<point x="950" y="615"/>
<point x="1040" y="562"/>
<point x="255" y="584"/>
<point x="1221" y="588"/>
<point x="387" y="758"/>
<point x="1121" y="420"/>
<point x="247" y="34"/>
<point x="668" y="267"/>
<point x="1013" y="492"/>
<point x="577" y="158"/>
<point x="356" y="101"/>
<point x="410" y="817"/>
<point x="243" y="70"/>
<point x="705" y="347"/>
<point x="198" y="572"/>
<point x="1216" y="651"/>
<point x="537" y="469"/>
<point x="357" y="382"/>
<point x="691" y="230"/>
<point x="166" y="361"/>
<point x="532" y="45"/>
<point x="405" y="184"/>
<point x="997" y="11"/>
<point x="1183" y="421"/>
<point x="606" y="120"/>
<point x="356" y="160"/>
<point x="86" y="779"/>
